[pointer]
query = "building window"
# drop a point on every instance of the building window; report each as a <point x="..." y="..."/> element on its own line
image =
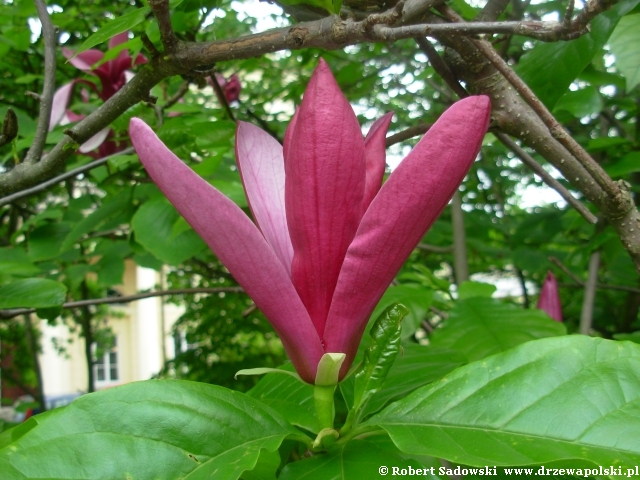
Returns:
<point x="105" y="368"/>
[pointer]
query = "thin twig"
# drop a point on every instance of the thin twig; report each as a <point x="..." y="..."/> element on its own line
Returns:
<point x="441" y="67"/>
<point x="175" y="98"/>
<point x="410" y="132"/>
<point x="565" y="269"/>
<point x="55" y="180"/>
<point x="434" y="248"/>
<point x="49" y="85"/>
<point x="222" y="98"/>
<point x="530" y="162"/>
<point x="586" y="314"/>
<point x="5" y="314"/>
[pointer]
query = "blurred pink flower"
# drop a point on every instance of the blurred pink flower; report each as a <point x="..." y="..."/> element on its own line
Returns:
<point x="549" y="300"/>
<point x="231" y="87"/>
<point x="327" y="239"/>
<point x="113" y="74"/>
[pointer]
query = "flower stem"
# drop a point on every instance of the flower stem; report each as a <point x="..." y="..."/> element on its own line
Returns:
<point x="323" y="399"/>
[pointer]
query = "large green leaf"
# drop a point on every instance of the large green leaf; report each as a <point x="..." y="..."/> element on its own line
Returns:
<point x="478" y="327"/>
<point x="153" y="225"/>
<point x="572" y="397"/>
<point x="624" y="43"/>
<point x="355" y="460"/>
<point x="145" y="430"/>
<point x="291" y="397"/>
<point x="563" y="61"/>
<point x="32" y="293"/>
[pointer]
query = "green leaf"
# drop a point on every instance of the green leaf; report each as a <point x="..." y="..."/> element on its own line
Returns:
<point x="265" y="370"/>
<point x="153" y="227"/>
<point x="49" y="313"/>
<point x="566" y="398"/>
<point x="114" y="27"/>
<point x="147" y="430"/>
<point x="292" y="398"/>
<point x="15" y="261"/>
<point x="624" y="43"/>
<point x="631" y="337"/>
<point x="379" y="356"/>
<point x="628" y="164"/>
<point x="32" y="293"/>
<point x="415" y="297"/>
<point x="416" y="366"/>
<point x="479" y="327"/>
<point x="109" y="208"/>
<point x="45" y="241"/>
<point x="563" y="61"/>
<point x="580" y="103"/>
<point x="355" y="460"/>
<point x="475" y="289"/>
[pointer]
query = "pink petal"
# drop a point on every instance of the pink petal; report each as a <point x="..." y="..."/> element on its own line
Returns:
<point x="59" y="104"/>
<point x="324" y="186"/>
<point x="549" y="300"/>
<point x="118" y="39"/>
<point x="375" y="158"/>
<point x="288" y="134"/>
<point x="85" y="60"/>
<point x="261" y="166"/>
<point x="239" y="245"/>
<point x="140" y="59"/>
<point x="406" y="206"/>
<point x="95" y="141"/>
<point x="72" y="117"/>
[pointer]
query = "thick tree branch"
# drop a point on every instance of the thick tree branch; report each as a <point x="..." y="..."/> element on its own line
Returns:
<point x="23" y="176"/>
<point x="46" y="99"/>
<point x="513" y="115"/>
<point x="6" y="314"/>
<point x="60" y="178"/>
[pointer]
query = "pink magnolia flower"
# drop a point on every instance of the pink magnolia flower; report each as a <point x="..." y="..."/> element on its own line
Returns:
<point x="113" y="74"/>
<point x="549" y="300"/>
<point x="327" y="239"/>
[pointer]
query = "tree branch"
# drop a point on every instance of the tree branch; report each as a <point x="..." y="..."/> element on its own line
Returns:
<point x="530" y="162"/>
<point x="441" y="67"/>
<point x="60" y="178"/>
<point x="6" y="314"/>
<point x="410" y="132"/>
<point x="161" y="11"/>
<point x="46" y="99"/>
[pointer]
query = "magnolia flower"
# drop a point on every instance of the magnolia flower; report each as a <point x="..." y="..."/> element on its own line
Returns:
<point x="113" y="74"/>
<point x="549" y="300"/>
<point x="327" y="239"/>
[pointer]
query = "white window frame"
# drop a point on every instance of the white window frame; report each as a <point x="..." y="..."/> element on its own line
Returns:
<point x="110" y="359"/>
